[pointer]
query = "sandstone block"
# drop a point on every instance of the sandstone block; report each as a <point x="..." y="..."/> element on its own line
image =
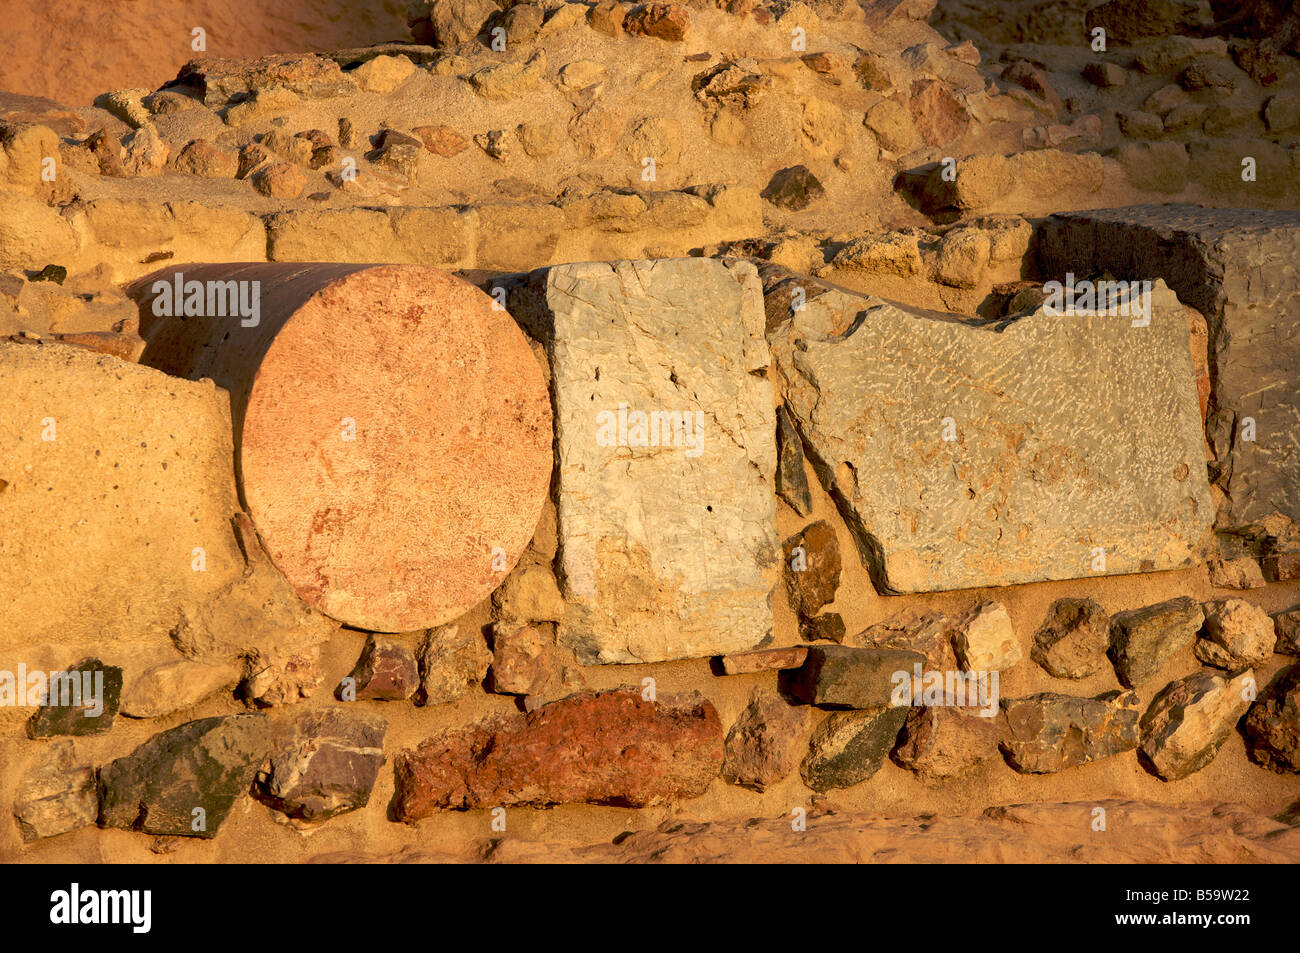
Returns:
<point x="1048" y="732"/>
<point x="1015" y="491"/>
<point x="666" y="513"/>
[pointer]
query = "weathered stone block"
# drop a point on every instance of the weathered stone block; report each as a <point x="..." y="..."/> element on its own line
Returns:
<point x="596" y="747"/>
<point x="113" y="535"/>
<point x="1190" y="719"/>
<point x="183" y="782"/>
<point x="850" y="746"/>
<point x="1241" y="269"/>
<point x="1048" y="732"/>
<point x="838" y="676"/>
<point x="57" y="794"/>
<point x="965" y="454"/>
<point x="665" y="452"/>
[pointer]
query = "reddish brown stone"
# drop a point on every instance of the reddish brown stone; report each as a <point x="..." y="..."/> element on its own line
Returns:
<point x="812" y="568"/>
<point x="667" y="21"/>
<point x="441" y="140"/>
<point x="766" y="742"/>
<point x="16" y="107"/>
<point x="610" y="748"/>
<point x="280" y="180"/>
<point x="386" y="671"/>
<point x="939" y="116"/>
<point x="743" y="663"/>
<point x="1282" y="567"/>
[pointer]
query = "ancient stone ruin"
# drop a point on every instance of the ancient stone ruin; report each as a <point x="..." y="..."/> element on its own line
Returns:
<point x="808" y="430"/>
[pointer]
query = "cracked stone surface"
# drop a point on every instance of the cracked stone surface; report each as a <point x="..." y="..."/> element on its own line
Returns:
<point x="1034" y="478"/>
<point x="668" y="545"/>
<point x="1238" y="267"/>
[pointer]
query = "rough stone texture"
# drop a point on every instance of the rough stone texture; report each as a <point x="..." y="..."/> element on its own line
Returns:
<point x="603" y="748"/>
<point x="985" y="640"/>
<point x="529" y="594"/>
<point x="363" y="459"/>
<point x="1072" y="641"/>
<point x="794" y="188"/>
<point x="812" y="568"/>
<point x="281" y="678"/>
<point x="521" y="662"/>
<point x="323" y="762"/>
<point x="174" y="686"/>
<point x="912" y="630"/>
<point x="829" y="626"/>
<point x="841" y="677"/>
<point x="1287" y="626"/>
<point x="1048" y="732"/>
<point x="1038" y="477"/>
<point x="57" y="794"/>
<point x="1241" y="573"/>
<point x="81" y="700"/>
<point x="850" y="746"/>
<point x="1190" y="719"/>
<point x="1238" y="268"/>
<point x="765" y="743"/>
<point x="448" y="23"/>
<point x="385" y="671"/>
<point x="946" y="741"/>
<point x="663" y="554"/>
<point x="1283" y="567"/>
<point x="1272" y="725"/>
<point x="939" y="115"/>
<point x="667" y="21"/>
<point x="791" y="481"/>
<point x="764" y="660"/>
<point x="207" y="764"/>
<point x="217" y="80"/>
<point x="453" y="659"/>
<point x="1237" y="635"/>
<point x="1142" y="640"/>
<point x="112" y="534"/>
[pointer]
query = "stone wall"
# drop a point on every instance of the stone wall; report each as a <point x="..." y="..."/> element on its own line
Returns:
<point x="766" y="676"/>
<point x="856" y="545"/>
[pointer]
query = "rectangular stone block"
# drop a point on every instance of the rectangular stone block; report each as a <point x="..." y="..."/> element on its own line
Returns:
<point x="1241" y="269"/>
<point x="665" y="452"/>
<point x="963" y="453"/>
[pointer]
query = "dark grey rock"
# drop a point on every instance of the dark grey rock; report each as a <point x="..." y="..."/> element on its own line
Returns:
<point x="184" y="781"/>
<point x="1142" y="640"/>
<point x="791" y="481"/>
<point x="850" y="746"/>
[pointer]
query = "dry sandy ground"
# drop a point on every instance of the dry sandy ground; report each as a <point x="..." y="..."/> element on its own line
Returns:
<point x="72" y="52"/>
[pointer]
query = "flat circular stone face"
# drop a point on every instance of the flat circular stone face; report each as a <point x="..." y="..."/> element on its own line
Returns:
<point x="396" y="449"/>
